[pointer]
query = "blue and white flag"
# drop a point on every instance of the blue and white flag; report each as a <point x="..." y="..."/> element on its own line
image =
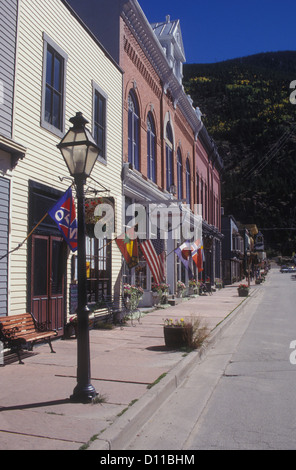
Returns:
<point x="64" y="215"/>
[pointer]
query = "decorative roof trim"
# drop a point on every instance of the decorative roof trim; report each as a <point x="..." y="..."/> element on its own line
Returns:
<point x="141" y="28"/>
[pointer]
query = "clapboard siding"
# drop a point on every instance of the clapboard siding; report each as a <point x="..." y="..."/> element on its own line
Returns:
<point x="8" y="21"/>
<point x="43" y="163"/>
<point x="4" y="227"/>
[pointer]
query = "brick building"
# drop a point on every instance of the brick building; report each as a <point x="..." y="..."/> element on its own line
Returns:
<point x="160" y="126"/>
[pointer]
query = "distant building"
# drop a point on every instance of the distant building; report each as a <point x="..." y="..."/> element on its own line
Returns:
<point x="209" y="166"/>
<point x="233" y="251"/>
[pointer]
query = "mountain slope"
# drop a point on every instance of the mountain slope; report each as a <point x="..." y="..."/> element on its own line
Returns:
<point x="246" y="109"/>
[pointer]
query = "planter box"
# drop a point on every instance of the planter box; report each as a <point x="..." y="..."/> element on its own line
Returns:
<point x="243" y="292"/>
<point x="177" y="336"/>
<point x="193" y="291"/>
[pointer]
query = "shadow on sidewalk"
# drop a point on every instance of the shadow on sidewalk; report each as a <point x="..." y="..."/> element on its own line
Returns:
<point x="35" y="405"/>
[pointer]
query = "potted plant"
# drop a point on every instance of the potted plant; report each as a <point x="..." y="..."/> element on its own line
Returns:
<point x="133" y="296"/>
<point x="180" y="288"/>
<point x="127" y="290"/>
<point x="71" y="327"/>
<point x="243" y="290"/>
<point x="178" y="333"/>
<point x="218" y="283"/>
<point x="164" y="292"/>
<point x="156" y="293"/>
<point x="193" y="287"/>
<point x="137" y="292"/>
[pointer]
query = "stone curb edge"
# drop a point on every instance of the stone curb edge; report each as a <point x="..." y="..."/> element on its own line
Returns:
<point x="122" y="431"/>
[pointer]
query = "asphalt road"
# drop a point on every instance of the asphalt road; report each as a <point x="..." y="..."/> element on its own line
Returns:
<point x="243" y="394"/>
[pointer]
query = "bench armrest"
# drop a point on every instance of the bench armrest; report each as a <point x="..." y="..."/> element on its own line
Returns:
<point x="8" y="333"/>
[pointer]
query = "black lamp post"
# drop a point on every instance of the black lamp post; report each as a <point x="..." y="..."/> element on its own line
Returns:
<point x="80" y="153"/>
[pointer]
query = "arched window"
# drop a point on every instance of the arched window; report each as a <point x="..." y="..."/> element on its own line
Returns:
<point x="179" y="174"/>
<point x="169" y="156"/>
<point x="133" y="131"/>
<point x="151" y="150"/>
<point x="188" y="186"/>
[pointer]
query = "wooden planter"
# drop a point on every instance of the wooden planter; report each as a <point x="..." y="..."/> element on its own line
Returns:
<point x="177" y="336"/>
<point x="243" y="292"/>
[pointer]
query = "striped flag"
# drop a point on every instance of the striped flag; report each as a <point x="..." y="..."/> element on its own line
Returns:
<point x="153" y="251"/>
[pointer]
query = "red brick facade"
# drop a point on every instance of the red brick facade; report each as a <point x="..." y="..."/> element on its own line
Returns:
<point x="140" y="76"/>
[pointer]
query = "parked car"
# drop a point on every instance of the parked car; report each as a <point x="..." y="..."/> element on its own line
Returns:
<point x="288" y="269"/>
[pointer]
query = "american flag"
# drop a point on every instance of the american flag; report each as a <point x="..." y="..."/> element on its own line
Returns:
<point x="153" y="251"/>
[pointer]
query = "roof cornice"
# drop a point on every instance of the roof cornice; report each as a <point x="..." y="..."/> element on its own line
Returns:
<point x="141" y="28"/>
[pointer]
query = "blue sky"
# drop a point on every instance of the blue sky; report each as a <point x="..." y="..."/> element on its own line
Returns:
<point x="215" y="30"/>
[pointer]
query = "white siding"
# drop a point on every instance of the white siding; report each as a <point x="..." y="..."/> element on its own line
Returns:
<point x="43" y="162"/>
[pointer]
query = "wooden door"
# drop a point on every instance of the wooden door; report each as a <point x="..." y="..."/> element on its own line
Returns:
<point x="48" y="280"/>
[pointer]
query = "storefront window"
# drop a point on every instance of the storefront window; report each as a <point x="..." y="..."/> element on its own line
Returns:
<point x="98" y="268"/>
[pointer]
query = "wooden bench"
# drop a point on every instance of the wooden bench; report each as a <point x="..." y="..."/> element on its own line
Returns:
<point x="19" y="330"/>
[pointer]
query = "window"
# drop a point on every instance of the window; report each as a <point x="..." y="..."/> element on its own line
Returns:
<point x="133" y="131"/>
<point x="98" y="268"/>
<point x="169" y="157"/>
<point x="188" y="186"/>
<point x="53" y="92"/>
<point x="179" y="174"/>
<point x="99" y="120"/>
<point x="151" y="173"/>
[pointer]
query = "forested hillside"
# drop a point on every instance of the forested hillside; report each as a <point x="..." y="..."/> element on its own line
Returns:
<point x="246" y="109"/>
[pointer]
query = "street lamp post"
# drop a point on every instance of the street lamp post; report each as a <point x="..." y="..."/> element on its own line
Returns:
<point x="80" y="153"/>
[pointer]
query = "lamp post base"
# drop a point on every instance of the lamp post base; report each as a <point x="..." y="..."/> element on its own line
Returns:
<point x="83" y="394"/>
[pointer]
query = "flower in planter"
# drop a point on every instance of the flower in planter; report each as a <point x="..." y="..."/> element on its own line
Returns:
<point x="243" y="290"/>
<point x="164" y="287"/>
<point x="243" y="286"/>
<point x="155" y="287"/>
<point x="218" y="283"/>
<point x="177" y="323"/>
<point x="181" y="285"/>
<point x="185" y="333"/>
<point x="136" y="291"/>
<point x="127" y="289"/>
<point x="194" y="285"/>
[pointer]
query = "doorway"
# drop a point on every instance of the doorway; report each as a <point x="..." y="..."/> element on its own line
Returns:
<point x="48" y="258"/>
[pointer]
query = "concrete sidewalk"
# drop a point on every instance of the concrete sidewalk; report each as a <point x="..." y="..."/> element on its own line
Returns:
<point x="35" y="410"/>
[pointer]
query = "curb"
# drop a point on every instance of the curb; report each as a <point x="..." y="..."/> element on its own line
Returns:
<point x="121" y="432"/>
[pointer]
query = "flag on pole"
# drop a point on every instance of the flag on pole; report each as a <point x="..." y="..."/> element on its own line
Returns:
<point x="64" y="215"/>
<point x="183" y="252"/>
<point x="153" y="251"/>
<point x="198" y="254"/>
<point x="128" y="245"/>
